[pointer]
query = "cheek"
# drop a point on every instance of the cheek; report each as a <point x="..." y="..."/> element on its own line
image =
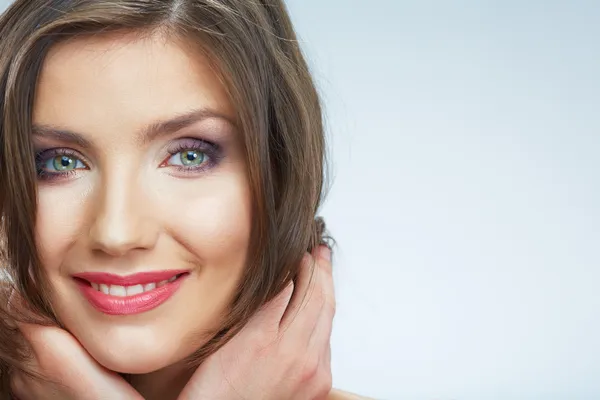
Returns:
<point x="202" y="224"/>
<point x="212" y="221"/>
<point x="60" y="221"/>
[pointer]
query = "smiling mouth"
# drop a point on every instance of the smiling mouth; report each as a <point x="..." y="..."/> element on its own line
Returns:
<point x="129" y="290"/>
<point x="126" y="295"/>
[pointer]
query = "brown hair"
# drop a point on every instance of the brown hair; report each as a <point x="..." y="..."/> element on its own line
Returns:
<point x="255" y="51"/>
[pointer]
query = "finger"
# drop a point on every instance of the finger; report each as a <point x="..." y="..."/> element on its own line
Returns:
<point x="327" y="270"/>
<point x="325" y="254"/>
<point x="51" y="346"/>
<point x="303" y="317"/>
<point x="321" y="335"/>
<point x="325" y="368"/>
<point x="62" y="364"/>
<point x="327" y="358"/>
<point x="38" y="336"/>
<point x="52" y="341"/>
<point x="38" y="366"/>
<point x="25" y="387"/>
<point x="17" y="386"/>
<point x="303" y="289"/>
<point x="271" y="313"/>
<point x="45" y="367"/>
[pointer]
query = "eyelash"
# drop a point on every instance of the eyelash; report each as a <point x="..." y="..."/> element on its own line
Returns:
<point x="42" y="157"/>
<point x="212" y="151"/>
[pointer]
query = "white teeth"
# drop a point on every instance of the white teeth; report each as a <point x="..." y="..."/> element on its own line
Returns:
<point x="116" y="290"/>
<point x="123" y="291"/>
<point x="104" y="288"/>
<point x="149" y="286"/>
<point x="133" y="290"/>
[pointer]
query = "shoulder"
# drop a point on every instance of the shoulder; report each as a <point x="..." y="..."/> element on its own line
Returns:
<point x="340" y="395"/>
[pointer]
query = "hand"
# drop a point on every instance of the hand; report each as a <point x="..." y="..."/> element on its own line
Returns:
<point x="71" y="373"/>
<point x="283" y="352"/>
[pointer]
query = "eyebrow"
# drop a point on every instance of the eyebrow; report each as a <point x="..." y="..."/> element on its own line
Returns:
<point x="178" y="123"/>
<point x="148" y="133"/>
<point x="60" y="135"/>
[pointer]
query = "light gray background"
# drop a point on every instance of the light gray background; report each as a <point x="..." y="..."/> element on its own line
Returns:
<point x="466" y="194"/>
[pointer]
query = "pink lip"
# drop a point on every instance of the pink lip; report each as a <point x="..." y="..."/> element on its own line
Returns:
<point x="141" y="278"/>
<point x="129" y="305"/>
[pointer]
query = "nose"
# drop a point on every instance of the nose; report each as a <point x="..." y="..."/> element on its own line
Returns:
<point x="122" y="218"/>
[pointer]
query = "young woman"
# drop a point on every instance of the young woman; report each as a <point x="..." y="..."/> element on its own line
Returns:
<point x="161" y="166"/>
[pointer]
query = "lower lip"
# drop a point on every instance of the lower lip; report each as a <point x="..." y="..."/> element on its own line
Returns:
<point x="130" y="305"/>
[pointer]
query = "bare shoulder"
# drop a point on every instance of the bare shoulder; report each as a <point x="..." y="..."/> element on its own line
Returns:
<point x="341" y="395"/>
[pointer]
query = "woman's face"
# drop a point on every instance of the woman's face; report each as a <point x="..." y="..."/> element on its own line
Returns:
<point x="142" y="180"/>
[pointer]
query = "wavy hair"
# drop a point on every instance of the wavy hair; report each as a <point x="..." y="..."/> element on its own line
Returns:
<point x="253" y="47"/>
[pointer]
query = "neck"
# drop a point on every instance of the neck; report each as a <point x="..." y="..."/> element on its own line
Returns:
<point x="164" y="384"/>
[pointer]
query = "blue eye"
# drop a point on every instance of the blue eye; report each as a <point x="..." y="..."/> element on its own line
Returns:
<point x="63" y="163"/>
<point x="58" y="163"/>
<point x="188" y="158"/>
<point x="191" y="155"/>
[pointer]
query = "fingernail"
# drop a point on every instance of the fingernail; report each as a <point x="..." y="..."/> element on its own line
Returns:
<point x="325" y="252"/>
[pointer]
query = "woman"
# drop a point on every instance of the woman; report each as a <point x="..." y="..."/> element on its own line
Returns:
<point x="162" y="164"/>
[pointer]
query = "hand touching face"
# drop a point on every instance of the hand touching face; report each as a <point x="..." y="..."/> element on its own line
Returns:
<point x="283" y="353"/>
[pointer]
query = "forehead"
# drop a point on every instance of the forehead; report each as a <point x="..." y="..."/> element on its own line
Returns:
<point x="121" y="81"/>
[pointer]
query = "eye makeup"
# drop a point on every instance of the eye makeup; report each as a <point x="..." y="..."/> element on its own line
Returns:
<point x="210" y="153"/>
<point x="58" y="163"/>
<point x="186" y="155"/>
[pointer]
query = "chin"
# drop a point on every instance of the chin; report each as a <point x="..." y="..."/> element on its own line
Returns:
<point x="124" y="364"/>
<point x="136" y="350"/>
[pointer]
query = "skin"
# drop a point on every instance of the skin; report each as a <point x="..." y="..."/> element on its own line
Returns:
<point x="124" y="210"/>
<point x="127" y="204"/>
<point x="282" y="353"/>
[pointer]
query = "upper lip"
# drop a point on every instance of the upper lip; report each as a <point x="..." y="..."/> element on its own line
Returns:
<point x="140" y="278"/>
